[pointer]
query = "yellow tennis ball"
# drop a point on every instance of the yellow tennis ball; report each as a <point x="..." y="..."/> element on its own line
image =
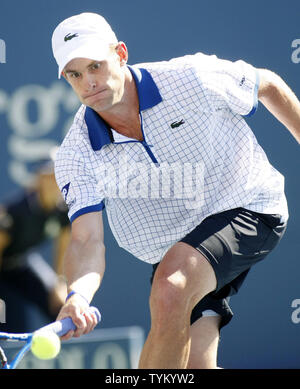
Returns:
<point x="45" y="344"/>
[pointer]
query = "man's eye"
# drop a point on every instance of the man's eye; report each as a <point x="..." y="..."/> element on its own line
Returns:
<point x="96" y="65"/>
<point x="75" y="75"/>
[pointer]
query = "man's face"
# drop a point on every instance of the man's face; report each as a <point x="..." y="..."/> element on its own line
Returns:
<point x="98" y="84"/>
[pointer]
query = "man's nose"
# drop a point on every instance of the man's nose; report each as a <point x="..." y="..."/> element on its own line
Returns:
<point x="91" y="82"/>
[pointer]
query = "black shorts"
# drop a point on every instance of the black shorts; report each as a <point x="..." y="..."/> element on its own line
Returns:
<point x="232" y="241"/>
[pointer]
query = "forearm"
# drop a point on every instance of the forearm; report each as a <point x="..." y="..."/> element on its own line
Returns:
<point x="84" y="267"/>
<point x="60" y="249"/>
<point x="280" y="100"/>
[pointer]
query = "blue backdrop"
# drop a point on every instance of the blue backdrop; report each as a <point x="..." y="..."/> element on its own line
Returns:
<point x="36" y="109"/>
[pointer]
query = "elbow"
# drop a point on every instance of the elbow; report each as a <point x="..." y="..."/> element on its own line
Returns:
<point x="268" y="85"/>
<point x="85" y="245"/>
<point x="86" y="241"/>
<point x="88" y="229"/>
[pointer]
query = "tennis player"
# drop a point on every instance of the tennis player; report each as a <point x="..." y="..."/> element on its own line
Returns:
<point x="134" y="121"/>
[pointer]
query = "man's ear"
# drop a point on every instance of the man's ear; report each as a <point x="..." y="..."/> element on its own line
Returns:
<point x="122" y="52"/>
<point x="64" y="75"/>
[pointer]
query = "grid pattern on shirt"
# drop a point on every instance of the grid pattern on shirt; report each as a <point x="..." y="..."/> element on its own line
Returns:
<point x="209" y="95"/>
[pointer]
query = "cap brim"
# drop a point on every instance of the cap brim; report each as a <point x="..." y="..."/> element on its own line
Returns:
<point x="94" y="51"/>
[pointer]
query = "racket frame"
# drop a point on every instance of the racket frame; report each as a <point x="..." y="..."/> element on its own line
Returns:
<point x="60" y="327"/>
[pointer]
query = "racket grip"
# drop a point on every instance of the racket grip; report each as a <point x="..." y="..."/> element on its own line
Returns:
<point x="61" y="327"/>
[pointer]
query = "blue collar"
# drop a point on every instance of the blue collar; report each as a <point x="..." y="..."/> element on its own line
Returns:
<point x="149" y="96"/>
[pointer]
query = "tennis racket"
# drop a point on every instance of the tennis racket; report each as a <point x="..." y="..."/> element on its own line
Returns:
<point x="60" y="328"/>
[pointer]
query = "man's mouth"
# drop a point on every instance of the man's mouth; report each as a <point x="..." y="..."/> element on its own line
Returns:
<point x="94" y="94"/>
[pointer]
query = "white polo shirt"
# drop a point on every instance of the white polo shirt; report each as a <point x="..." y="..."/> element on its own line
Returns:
<point x="198" y="157"/>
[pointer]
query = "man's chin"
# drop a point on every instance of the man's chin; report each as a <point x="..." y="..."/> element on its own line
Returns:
<point x="100" y="106"/>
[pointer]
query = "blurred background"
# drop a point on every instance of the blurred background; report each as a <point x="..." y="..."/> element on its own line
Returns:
<point x="36" y="110"/>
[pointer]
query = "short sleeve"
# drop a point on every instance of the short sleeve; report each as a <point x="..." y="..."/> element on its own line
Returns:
<point x="78" y="186"/>
<point x="227" y="84"/>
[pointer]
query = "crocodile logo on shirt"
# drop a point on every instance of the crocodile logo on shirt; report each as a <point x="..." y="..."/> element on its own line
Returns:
<point x="68" y="37"/>
<point x="177" y="124"/>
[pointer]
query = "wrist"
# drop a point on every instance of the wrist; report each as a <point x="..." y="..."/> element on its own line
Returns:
<point x="73" y="292"/>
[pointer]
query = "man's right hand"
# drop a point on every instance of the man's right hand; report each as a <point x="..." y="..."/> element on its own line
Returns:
<point x="78" y="309"/>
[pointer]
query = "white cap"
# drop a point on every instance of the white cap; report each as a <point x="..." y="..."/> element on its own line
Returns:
<point x="87" y="35"/>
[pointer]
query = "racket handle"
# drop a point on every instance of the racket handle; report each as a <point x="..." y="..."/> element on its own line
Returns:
<point x="61" y="327"/>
